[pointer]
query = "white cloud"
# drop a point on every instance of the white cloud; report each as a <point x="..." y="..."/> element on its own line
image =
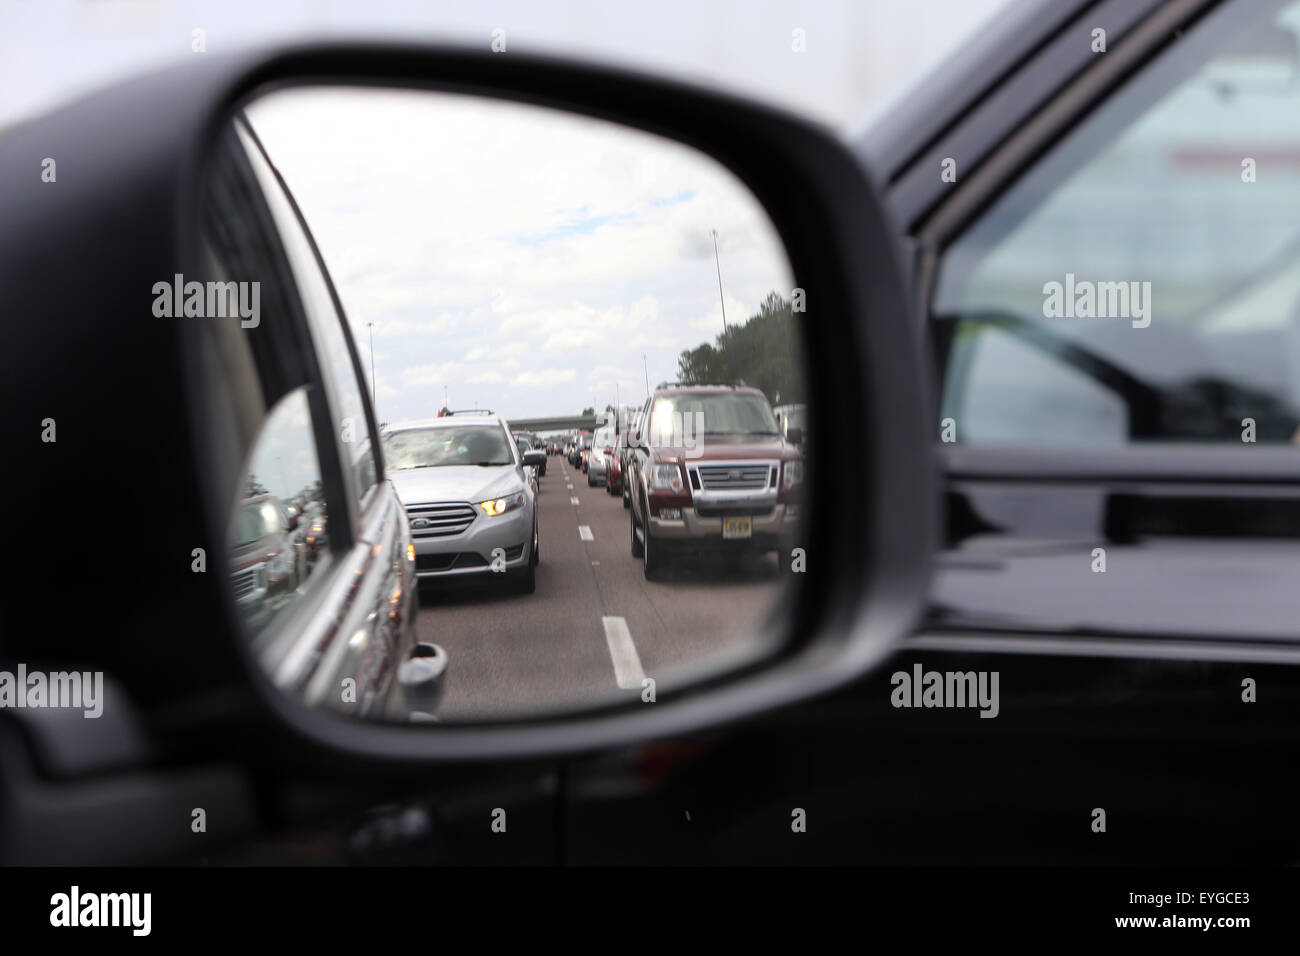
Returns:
<point x="505" y="253"/>
<point x="545" y="377"/>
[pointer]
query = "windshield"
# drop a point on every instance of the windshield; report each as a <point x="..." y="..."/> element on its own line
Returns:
<point x="678" y="417"/>
<point x="455" y="445"/>
<point x="257" y="520"/>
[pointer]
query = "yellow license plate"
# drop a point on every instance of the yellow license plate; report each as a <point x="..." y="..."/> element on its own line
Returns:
<point x="738" y="527"/>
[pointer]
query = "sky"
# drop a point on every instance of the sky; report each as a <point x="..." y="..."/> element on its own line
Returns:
<point x="512" y="257"/>
<point x="858" y="54"/>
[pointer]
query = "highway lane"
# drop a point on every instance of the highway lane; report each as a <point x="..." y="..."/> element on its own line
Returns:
<point x="594" y="621"/>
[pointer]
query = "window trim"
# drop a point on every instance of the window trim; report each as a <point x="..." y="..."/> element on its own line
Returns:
<point x="365" y="499"/>
<point x="343" y="522"/>
<point x="1174" y="463"/>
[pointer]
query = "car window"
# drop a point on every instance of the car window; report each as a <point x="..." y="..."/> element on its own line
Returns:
<point x="279" y="532"/>
<point x="278" y="535"/>
<point x="327" y="329"/>
<point x="1141" y="283"/>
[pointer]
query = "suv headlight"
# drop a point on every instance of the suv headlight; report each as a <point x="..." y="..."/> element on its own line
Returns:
<point x="666" y="478"/>
<point x="791" y="474"/>
<point x="499" y="506"/>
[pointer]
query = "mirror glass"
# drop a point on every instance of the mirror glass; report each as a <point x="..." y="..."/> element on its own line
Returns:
<point x="280" y="529"/>
<point x="582" y="343"/>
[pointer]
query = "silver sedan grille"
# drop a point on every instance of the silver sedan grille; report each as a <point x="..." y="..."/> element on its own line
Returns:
<point x="440" y="520"/>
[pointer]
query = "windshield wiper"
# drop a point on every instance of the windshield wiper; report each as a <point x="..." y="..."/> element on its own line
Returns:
<point x="491" y="464"/>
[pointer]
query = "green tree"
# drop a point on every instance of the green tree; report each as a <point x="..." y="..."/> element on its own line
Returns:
<point x="764" y="351"/>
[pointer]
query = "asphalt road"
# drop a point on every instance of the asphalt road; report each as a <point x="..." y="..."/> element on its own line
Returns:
<point x="595" y="628"/>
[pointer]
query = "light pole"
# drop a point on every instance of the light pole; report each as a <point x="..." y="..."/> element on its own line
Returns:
<point x="646" y="369"/>
<point x="718" y="262"/>
<point x="374" y="394"/>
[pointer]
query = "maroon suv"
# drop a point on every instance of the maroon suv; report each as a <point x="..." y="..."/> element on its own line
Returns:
<point x="708" y="469"/>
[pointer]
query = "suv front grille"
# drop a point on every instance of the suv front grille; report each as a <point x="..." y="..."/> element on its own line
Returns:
<point x="748" y="477"/>
<point x="246" y="581"/>
<point x="439" y="520"/>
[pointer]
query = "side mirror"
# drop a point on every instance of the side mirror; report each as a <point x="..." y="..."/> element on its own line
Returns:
<point x="869" y="554"/>
<point x="421" y="678"/>
<point x="794" y="435"/>
<point x="535" y="458"/>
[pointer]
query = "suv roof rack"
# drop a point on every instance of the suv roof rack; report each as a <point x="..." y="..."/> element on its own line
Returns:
<point x="445" y="412"/>
<point x="738" y="383"/>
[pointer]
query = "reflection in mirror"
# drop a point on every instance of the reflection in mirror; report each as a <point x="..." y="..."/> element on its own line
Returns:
<point x="279" y="531"/>
<point x="583" y="348"/>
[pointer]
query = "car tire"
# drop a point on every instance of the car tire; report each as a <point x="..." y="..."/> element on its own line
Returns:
<point x="637" y="548"/>
<point x="651" y="554"/>
<point x="526" y="582"/>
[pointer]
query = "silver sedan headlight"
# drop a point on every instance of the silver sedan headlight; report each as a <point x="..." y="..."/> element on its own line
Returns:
<point x="494" y="507"/>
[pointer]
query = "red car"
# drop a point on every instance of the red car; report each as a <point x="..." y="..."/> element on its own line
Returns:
<point x="708" y="469"/>
<point x="614" y="468"/>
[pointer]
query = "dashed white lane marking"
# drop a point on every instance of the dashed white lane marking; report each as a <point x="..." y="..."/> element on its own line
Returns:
<point x="627" y="664"/>
<point x="584" y="532"/>
<point x="573" y="501"/>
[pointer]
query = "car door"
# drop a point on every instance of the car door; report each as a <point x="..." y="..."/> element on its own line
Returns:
<point x="347" y="659"/>
<point x="1116" y="336"/>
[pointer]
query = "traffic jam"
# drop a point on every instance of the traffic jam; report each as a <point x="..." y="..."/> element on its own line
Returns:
<point x="649" y="545"/>
<point x="543" y="528"/>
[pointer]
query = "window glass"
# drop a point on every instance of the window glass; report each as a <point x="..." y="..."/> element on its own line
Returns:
<point x="680" y="417"/>
<point x="466" y="445"/>
<point x="327" y="328"/>
<point x="279" y="529"/>
<point x="1142" y="282"/>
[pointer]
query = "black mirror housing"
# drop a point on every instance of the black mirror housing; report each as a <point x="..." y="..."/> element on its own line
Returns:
<point x="868" y="561"/>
